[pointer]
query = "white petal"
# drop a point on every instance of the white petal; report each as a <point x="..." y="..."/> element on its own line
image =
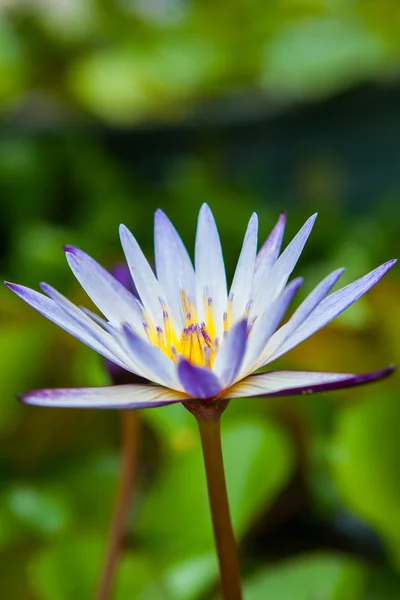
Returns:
<point x="210" y="267"/>
<point x="268" y="253"/>
<point x="148" y="288"/>
<point x="116" y="396"/>
<point x="111" y="297"/>
<point x="106" y="338"/>
<point x="287" y="383"/>
<point x="174" y="268"/>
<point x="333" y="305"/>
<point x="90" y="336"/>
<point x="243" y="279"/>
<point x="276" y="279"/>
<point x="300" y="315"/>
<point x="265" y="327"/>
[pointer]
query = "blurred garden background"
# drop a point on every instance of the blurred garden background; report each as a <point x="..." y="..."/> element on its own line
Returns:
<point x="112" y="109"/>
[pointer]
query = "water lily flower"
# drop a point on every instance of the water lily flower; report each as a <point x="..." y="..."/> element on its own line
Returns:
<point x="185" y="332"/>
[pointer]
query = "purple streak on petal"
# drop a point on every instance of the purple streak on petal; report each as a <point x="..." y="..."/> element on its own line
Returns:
<point x="273" y="383"/>
<point x="197" y="381"/>
<point x="333" y="305"/>
<point x="270" y="249"/>
<point x="120" y="397"/>
<point x="230" y="356"/>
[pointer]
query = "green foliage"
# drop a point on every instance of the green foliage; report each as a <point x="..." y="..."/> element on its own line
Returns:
<point x="180" y="489"/>
<point x="310" y="577"/>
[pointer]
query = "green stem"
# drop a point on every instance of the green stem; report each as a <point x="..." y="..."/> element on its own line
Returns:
<point x="210" y="433"/>
<point x="130" y="438"/>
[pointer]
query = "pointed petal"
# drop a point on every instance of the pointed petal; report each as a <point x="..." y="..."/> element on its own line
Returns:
<point x="230" y="357"/>
<point x="116" y="396"/>
<point x="243" y="279"/>
<point x="102" y="332"/>
<point x="113" y="299"/>
<point x="301" y="314"/>
<point x="147" y="286"/>
<point x="198" y="382"/>
<point x="265" y="327"/>
<point x="271" y="287"/>
<point x="333" y="305"/>
<point x="289" y="383"/>
<point x="269" y="252"/>
<point x="153" y="363"/>
<point x="91" y="337"/>
<point x="210" y="267"/>
<point x="174" y="268"/>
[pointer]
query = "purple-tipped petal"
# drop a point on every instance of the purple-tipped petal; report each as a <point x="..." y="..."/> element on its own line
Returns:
<point x="265" y="326"/>
<point x="198" y="382"/>
<point x="290" y="383"/>
<point x="174" y="267"/>
<point x="244" y="274"/>
<point x="230" y="356"/>
<point x="273" y="284"/>
<point x="269" y="252"/>
<point x="109" y="295"/>
<point x="116" y="396"/>
<point x="153" y="363"/>
<point x="91" y="336"/>
<point x="210" y="267"/>
<point x="333" y="305"/>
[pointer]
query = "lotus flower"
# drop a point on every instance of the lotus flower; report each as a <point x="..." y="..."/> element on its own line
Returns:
<point x="191" y="338"/>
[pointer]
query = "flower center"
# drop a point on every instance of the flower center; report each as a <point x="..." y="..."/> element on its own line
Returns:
<point x="198" y="342"/>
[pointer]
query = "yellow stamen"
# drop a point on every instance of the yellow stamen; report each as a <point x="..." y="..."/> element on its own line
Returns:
<point x="150" y="329"/>
<point x="197" y="348"/>
<point x="185" y="343"/>
<point x="209" y="314"/>
<point x="160" y="339"/>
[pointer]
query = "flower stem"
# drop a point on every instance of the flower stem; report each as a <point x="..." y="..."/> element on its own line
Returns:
<point x="210" y="433"/>
<point x="130" y="438"/>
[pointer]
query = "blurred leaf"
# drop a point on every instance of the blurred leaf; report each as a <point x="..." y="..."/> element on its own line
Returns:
<point x="313" y="577"/>
<point x="12" y="72"/>
<point x="70" y="570"/>
<point x="302" y="56"/>
<point x="180" y="490"/>
<point x="366" y="461"/>
<point x="187" y="578"/>
<point x="21" y="352"/>
<point x="39" y="511"/>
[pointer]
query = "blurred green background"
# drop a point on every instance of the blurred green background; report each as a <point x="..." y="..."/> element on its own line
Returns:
<point x="112" y="109"/>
